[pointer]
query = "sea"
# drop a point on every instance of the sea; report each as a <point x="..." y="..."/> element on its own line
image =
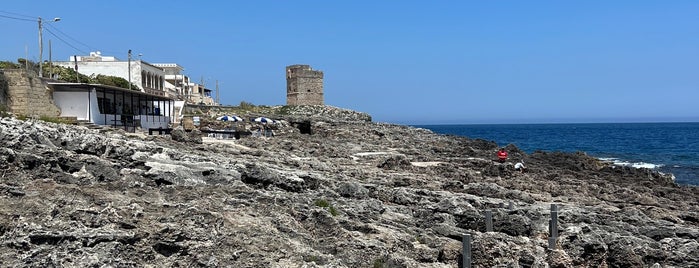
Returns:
<point x="666" y="147"/>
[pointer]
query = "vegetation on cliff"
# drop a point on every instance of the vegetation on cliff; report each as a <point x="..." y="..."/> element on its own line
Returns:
<point x="68" y="74"/>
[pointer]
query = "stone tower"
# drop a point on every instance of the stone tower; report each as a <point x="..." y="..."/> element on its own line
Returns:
<point x="304" y="86"/>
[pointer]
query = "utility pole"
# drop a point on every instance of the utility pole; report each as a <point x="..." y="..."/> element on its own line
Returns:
<point x="50" y="62"/>
<point x="77" y="75"/>
<point x="41" y="47"/>
<point x="129" y="69"/>
<point x="41" y="44"/>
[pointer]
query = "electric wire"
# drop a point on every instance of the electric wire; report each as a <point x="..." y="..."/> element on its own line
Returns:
<point x="65" y="42"/>
<point x="56" y="32"/>
<point x="17" y="14"/>
<point x="15" y="18"/>
<point x="69" y="37"/>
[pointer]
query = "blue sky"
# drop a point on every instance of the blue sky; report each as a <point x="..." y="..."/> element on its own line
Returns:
<point x="407" y="62"/>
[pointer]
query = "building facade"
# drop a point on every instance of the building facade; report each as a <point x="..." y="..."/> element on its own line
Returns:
<point x="148" y="77"/>
<point x="304" y="86"/>
<point x="160" y="79"/>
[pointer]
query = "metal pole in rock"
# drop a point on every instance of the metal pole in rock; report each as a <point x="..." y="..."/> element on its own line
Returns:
<point x="466" y="253"/>
<point x="553" y="227"/>
<point x="488" y="220"/>
<point x="509" y="206"/>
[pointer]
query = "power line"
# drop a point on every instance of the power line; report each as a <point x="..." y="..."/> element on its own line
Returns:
<point x="64" y="41"/>
<point x="91" y="48"/>
<point x="69" y="37"/>
<point x="16" y="14"/>
<point x="15" y="18"/>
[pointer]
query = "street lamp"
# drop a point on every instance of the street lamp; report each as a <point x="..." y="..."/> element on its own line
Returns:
<point x="41" y="44"/>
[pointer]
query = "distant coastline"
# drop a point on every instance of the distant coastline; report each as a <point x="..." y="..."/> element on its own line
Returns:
<point x="546" y="121"/>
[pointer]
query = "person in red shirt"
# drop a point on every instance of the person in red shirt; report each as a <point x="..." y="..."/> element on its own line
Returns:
<point x="502" y="155"/>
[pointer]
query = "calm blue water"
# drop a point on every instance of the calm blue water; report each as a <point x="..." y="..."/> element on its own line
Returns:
<point x="667" y="147"/>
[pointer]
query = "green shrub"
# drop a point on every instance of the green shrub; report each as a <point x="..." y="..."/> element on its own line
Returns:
<point x="56" y="120"/>
<point x="333" y="211"/>
<point x="68" y="74"/>
<point x="378" y="263"/>
<point x="113" y="81"/>
<point x="285" y="110"/>
<point x="4" y="111"/>
<point x="325" y="204"/>
<point x="322" y="203"/>
<point x="246" y="105"/>
<point x="9" y="65"/>
<point x="310" y="258"/>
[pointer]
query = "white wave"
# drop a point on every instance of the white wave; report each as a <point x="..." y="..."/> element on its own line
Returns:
<point x="619" y="162"/>
<point x="637" y="164"/>
<point x="646" y="165"/>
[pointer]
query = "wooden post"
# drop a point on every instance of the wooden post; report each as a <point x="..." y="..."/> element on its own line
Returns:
<point x="488" y="220"/>
<point x="553" y="227"/>
<point x="466" y="251"/>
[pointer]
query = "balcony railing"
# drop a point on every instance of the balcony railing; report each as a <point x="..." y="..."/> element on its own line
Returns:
<point x="154" y="91"/>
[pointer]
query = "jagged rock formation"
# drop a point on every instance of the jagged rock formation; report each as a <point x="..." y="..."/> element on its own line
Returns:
<point x="352" y="194"/>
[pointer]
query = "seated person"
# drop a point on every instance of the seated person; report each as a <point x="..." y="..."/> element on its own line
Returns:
<point x="502" y="155"/>
<point x="520" y="167"/>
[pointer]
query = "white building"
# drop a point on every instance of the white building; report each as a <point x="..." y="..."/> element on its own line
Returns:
<point x="114" y="106"/>
<point x="157" y="79"/>
<point x="180" y="87"/>
<point x="148" y="77"/>
<point x="176" y="84"/>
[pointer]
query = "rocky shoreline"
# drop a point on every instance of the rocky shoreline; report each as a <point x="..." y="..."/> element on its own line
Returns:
<point x="351" y="194"/>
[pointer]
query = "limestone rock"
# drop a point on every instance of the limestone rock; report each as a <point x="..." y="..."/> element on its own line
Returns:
<point x="345" y="193"/>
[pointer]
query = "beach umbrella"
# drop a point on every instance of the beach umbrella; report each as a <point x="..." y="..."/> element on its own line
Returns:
<point x="264" y="120"/>
<point x="229" y="118"/>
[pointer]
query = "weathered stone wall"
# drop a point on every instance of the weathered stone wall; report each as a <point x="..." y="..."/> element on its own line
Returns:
<point x="304" y="86"/>
<point x="3" y="90"/>
<point x="26" y="94"/>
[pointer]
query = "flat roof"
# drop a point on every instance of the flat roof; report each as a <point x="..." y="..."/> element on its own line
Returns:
<point x="61" y="86"/>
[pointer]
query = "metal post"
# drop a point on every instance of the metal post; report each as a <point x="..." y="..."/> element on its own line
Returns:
<point x="41" y="44"/>
<point x="129" y="67"/>
<point x="41" y="47"/>
<point x="77" y="75"/>
<point x="115" y="106"/>
<point x="50" y="62"/>
<point x="466" y="251"/>
<point x="89" y="105"/>
<point x="488" y="220"/>
<point x="553" y="224"/>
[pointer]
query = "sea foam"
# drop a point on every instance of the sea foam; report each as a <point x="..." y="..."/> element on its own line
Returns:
<point x="619" y="162"/>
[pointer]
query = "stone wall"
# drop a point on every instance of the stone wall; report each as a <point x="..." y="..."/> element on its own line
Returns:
<point x="304" y="86"/>
<point x="26" y="94"/>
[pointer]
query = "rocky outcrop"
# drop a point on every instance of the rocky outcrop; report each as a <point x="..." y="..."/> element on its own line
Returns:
<point x="193" y="136"/>
<point x="352" y="194"/>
